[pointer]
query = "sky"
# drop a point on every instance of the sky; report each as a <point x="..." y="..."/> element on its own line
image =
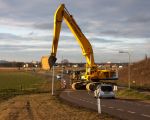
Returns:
<point x="26" y="29"/>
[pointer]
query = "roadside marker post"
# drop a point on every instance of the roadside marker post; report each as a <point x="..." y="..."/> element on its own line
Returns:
<point x="99" y="105"/>
<point x="98" y="100"/>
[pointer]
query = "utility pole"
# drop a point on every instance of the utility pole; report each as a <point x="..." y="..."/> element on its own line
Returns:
<point x="53" y="80"/>
<point x="129" y="68"/>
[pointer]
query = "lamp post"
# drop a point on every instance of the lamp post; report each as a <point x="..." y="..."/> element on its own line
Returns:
<point x="129" y="69"/>
<point x="53" y="80"/>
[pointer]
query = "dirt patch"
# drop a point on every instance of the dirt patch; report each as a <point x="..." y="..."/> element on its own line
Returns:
<point x="44" y="107"/>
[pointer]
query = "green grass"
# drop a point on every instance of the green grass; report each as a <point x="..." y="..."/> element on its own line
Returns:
<point x="132" y="94"/>
<point x="17" y="80"/>
<point x="18" y="83"/>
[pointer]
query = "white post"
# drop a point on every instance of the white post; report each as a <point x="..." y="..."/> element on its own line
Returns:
<point x="98" y="100"/>
<point x="53" y="82"/>
<point x="115" y="88"/>
<point x="99" y="105"/>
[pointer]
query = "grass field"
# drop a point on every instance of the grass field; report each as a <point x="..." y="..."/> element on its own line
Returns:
<point x="132" y="94"/>
<point x="19" y="83"/>
<point x="18" y="80"/>
<point x="37" y="106"/>
<point x="140" y="74"/>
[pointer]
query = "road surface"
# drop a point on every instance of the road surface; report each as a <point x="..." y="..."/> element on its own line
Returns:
<point x="126" y="110"/>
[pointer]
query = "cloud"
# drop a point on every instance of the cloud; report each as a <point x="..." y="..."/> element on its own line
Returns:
<point x="9" y="36"/>
<point x="43" y="26"/>
<point x="138" y="19"/>
<point x="27" y="26"/>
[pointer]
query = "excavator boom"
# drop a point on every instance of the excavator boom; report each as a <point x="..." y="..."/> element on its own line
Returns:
<point x="60" y="14"/>
<point x="92" y="73"/>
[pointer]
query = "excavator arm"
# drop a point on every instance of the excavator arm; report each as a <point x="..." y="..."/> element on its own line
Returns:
<point x="60" y="14"/>
<point x="92" y="74"/>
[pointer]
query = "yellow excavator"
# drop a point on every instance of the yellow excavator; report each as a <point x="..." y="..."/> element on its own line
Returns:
<point x="93" y="75"/>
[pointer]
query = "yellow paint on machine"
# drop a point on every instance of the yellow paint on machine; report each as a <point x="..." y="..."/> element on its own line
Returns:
<point x="44" y="63"/>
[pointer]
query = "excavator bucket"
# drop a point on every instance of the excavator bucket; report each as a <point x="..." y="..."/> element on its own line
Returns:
<point x="52" y="60"/>
<point x="44" y="63"/>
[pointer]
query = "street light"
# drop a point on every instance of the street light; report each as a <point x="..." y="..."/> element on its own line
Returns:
<point x="53" y="75"/>
<point x="129" y="71"/>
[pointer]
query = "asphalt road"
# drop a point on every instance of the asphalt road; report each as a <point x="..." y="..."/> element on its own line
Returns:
<point x="123" y="109"/>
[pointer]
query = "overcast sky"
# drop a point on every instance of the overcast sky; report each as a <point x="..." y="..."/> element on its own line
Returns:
<point x="26" y="29"/>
